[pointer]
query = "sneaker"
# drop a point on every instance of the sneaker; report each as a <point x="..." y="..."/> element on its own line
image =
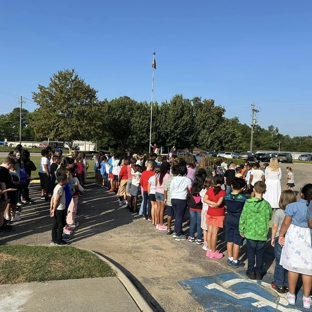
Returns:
<point x="16" y="218"/>
<point x="251" y="275"/>
<point x="144" y="218"/>
<point x="174" y="234"/>
<point x="42" y="197"/>
<point x="291" y="298"/>
<point x="306" y="302"/>
<point x="53" y="243"/>
<point x="120" y="203"/>
<point x="180" y="238"/>
<point x="259" y="276"/>
<point x="205" y="247"/>
<point x="157" y="226"/>
<point x="199" y="241"/>
<point x="125" y="202"/>
<point x="229" y="262"/>
<point x="63" y="243"/>
<point x="208" y="254"/>
<point x="279" y="289"/>
<point x="66" y="237"/>
<point x="191" y="239"/>
<point x="24" y="202"/>
<point x="169" y="232"/>
<point x="7" y="217"/>
<point x="149" y="219"/>
<point x="162" y="228"/>
<point x="19" y="204"/>
<point x="216" y="255"/>
<point x="238" y="264"/>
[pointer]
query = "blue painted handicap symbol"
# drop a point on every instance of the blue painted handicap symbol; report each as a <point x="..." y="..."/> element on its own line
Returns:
<point x="232" y="292"/>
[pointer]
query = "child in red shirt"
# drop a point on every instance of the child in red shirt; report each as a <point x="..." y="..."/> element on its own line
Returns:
<point x="215" y="216"/>
<point x="123" y="179"/>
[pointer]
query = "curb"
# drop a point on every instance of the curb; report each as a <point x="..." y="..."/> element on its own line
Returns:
<point x="131" y="289"/>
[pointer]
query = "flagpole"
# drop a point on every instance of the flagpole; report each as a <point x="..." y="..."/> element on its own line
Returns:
<point x="152" y="99"/>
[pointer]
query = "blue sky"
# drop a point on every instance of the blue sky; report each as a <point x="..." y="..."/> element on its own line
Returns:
<point x="235" y="52"/>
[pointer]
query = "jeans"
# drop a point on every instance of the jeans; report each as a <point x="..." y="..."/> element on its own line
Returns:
<point x="179" y="208"/>
<point x="146" y="205"/>
<point x="228" y="189"/>
<point x="255" y="249"/>
<point x="58" y="224"/>
<point x="195" y="219"/>
<point x="280" y="274"/>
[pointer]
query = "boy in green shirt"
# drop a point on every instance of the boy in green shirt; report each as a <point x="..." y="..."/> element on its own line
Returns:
<point x="254" y="225"/>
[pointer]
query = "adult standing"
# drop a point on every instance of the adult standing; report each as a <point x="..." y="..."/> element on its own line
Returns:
<point x="273" y="175"/>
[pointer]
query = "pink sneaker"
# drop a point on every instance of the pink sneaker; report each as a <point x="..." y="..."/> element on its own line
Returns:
<point x="162" y="227"/>
<point x="157" y="225"/>
<point x="216" y="255"/>
<point x="209" y="254"/>
<point x="306" y="302"/>
<point x="291" y="298"/>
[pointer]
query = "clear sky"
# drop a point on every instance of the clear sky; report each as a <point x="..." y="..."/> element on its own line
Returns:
<point x="236" y="52"/>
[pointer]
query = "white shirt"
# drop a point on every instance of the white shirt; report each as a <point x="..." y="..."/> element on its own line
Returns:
<point x="152" y="183"/>
<point x="179" y="187"/>
<point x="44" y="161"/>
<point x="257" y="175"/>
<point x="136" y="178"/>
<point x="116" y="168"/>
<point x="59" y="191"/>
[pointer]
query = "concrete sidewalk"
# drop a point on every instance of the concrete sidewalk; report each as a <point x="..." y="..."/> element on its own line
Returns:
<point x="111" y="294"/>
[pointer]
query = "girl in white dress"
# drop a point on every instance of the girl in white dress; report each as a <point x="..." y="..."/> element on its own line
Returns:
<point x="273" y="175"/>
<point x="296" y="254"/>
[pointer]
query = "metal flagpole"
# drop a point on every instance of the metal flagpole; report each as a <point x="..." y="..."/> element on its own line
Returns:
<point x="152" y="99"/>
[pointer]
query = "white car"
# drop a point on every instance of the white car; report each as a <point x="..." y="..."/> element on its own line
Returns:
<point x="229" y="155"/>
<point x="220" y="154"/>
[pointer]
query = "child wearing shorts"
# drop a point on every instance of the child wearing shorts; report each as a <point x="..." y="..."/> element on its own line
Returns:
<point x="207" y="184"/>
<point x="234" y="203"/>
<point x="167" y="197"/>
<point x="216" y="211"/>
<point x="134" y="188"/>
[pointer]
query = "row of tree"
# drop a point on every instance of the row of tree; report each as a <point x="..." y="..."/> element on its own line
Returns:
<point x="69" y="109"/>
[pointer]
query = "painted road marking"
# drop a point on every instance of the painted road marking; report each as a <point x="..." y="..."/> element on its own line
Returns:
<point x="230" y="292"/>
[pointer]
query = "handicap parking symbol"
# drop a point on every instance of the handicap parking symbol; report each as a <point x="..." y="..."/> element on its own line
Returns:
<point x="232" y="292"/>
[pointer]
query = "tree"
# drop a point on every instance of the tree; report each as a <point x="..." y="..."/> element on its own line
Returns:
<point x="10" y="125"/>
<point x="67" y="109"/>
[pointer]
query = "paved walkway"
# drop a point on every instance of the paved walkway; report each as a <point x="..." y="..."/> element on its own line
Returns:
<point x="169" y="275"/>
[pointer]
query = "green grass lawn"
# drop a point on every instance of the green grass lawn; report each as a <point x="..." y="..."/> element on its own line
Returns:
<point x="21" y="264"/>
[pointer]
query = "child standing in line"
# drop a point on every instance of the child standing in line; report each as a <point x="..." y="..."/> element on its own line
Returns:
<point x="254" y="224"/>
<point x="23" y="183"/>
<point x="167" y="197"/>
<point x="144" y="183"/>
<point x="123" y="180"/>
<point x="195" y="205"/>
<point x="152" y="193"/>
<point x="280" y="283"/>
<point x="290" y="179"/>
<point x="53" y="168"/>
<point x="234" y="203"/>
<point x="207" y="184"/>
<point x="103" y="171"/>
<point x="72" y="208"/>
<point x="58" y="209"/>
<point x="134" y="188"/>
<point x="214" y="197"/>
<point x="296" y="254"/>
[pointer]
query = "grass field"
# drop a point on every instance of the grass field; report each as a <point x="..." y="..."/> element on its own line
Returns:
<point x="21" y="264"/>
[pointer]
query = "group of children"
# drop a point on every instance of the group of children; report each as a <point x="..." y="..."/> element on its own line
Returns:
<point x="213" y="203"/>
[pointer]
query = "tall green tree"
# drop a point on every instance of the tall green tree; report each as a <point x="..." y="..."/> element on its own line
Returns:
<point x="67" y="108"/>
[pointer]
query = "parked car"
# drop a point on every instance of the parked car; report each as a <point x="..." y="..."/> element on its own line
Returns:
<point x="220" y="154"/>
<point x="306" y="157"/>
<point x="265" y="157"/>
<point x="212" y="154"/>
<point x="247" y="156"/>
<point x="230" y="155"/>
<point x="284" y="157"/>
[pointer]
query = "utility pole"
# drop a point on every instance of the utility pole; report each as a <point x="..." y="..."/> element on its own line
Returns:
<point x="253" y="122"/>
<point x="20" y="125"/>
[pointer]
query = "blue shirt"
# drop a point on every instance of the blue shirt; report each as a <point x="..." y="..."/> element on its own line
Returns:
<point x="298" y="212"/>
<point x="110" y="162"/>
<point x="309" y="212"/>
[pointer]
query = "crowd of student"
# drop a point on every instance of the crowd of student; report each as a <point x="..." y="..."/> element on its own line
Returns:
<point x="240" y="198"/>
